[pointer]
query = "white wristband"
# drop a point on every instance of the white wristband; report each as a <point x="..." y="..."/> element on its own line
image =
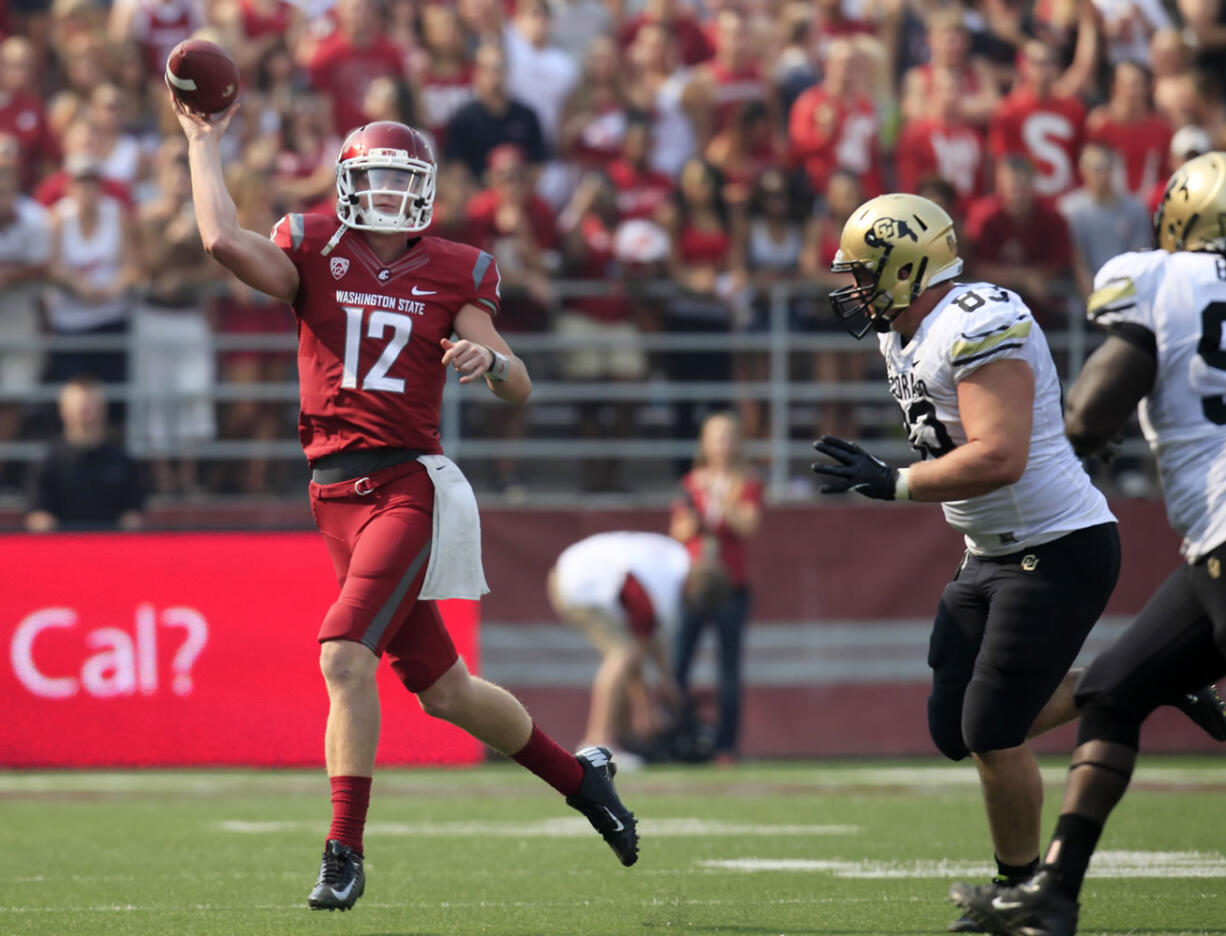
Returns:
<point x="902" y="489"/>
<point x="499" y="366"/>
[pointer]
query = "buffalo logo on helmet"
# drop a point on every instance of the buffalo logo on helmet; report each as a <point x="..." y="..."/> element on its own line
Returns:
<point x="339" y="267"/>
<point x="886" y="232"/>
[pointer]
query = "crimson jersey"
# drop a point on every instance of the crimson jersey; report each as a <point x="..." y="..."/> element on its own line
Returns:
<point x="1047" y="131"/>
<point x="1142" y="145"/>
<point x="931" y="149"/>
<point x="828" y="133"/>
<point x="732" y="90"/>
<point x="370" y="369"/>
<point x="343" y="72"/>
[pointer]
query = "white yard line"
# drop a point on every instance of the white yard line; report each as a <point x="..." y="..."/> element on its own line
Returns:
<point x="550" y="828"/>
<point x="1105" y="864"/>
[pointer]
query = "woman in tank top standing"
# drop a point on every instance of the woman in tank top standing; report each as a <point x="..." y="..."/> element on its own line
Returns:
<point x="92" y="268"/>
<point x="716" y="516"/>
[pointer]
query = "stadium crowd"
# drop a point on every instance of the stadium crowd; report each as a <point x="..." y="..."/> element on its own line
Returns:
<point x="717" y="146"/>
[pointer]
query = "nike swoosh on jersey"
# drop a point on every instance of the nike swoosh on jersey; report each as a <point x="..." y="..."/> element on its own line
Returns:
<point x="424" y="292"/>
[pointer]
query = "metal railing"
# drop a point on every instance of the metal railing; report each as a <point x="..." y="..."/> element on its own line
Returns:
<point x="779" y="392"/>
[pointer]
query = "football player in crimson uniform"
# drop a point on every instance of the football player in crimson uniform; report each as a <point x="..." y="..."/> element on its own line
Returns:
<point x="377" y="304"/>
<point x="1129" y="125"/>
<point x="1162" y="311"/>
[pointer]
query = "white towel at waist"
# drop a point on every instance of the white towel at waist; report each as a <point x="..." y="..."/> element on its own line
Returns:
<point x="455" y="554"/>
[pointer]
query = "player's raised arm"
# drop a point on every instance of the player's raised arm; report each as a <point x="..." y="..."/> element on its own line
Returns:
<point x="481" y="352"/>
<point x="252" y="257"/>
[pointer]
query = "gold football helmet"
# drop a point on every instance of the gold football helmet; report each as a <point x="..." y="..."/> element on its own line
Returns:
<point x="1192" y="214"/>
<point x="896" y="246"/>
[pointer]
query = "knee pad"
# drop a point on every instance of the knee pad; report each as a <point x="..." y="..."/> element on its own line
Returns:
<point x="1103" y="721"/>
<point x="945" y="727"/>
<point x="985" y="733"/>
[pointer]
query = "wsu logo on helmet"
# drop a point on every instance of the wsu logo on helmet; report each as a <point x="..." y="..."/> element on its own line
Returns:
<point x="888" y="231"/>
<point x="339" y="267"/>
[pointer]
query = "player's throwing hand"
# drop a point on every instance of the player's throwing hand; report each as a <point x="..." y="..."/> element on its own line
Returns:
<point x="202" y="126"/>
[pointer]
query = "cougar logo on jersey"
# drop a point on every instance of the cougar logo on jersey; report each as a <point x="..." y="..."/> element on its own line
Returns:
<point x="888" y="231"/>
<point x="339" y="267"/>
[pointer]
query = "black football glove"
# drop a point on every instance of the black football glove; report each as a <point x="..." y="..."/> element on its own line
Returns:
<point x="857" y="470"/>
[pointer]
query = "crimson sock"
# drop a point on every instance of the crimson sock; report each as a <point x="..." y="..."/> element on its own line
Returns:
<point x="551" y="762"/>
<point x="350" y="797"/>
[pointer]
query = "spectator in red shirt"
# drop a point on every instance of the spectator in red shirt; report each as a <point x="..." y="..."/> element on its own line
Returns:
<point x="261" y="25"/>
<point x="22" y="113"/>
<point x="305" y="165"/>
<point x="445" y="78"/>
<point x="157" y="26"/>
<point x="744" y="151"/>
<point x="594" y="116"/>
<point x="1130" y="126"/>
<point x="589" y="226"/>
<point x="82" y="139"/>
<point x="515" y="225"/>
<point x="1037" y="122"/>
<point x="642" y="193"/>
<point x="350" y="58"/>
<point x="942" y="144"/>
<point x="833" y="23"/>
<point x="1016" y="240"/>
<point x="835" y="124"/>
<point x="949" y="46"/>
<point x="509" y="219"/>
<point x="733" y="79"/>
<point x="717" y="514"/>
<point x="693" y="46"/>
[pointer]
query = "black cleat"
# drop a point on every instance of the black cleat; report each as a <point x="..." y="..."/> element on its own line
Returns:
<point x="341" y="878"/>
<point x="967" y="923"/>
<point x="597" y="799"/>
<point x="1032" y="908"/>
<point x="1205" y="707"/>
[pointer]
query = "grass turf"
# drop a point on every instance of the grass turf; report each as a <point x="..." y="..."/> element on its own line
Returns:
<point x="491" y="850"/>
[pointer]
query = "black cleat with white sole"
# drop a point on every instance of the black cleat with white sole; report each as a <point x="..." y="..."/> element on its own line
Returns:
<point x="341" y="878"/>
<point x="597" y="799"/>
<point x="1032" y="908"/>
<point x="967" y="923"/>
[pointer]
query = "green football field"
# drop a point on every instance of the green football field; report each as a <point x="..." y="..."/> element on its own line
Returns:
<point x="794" y="848"/>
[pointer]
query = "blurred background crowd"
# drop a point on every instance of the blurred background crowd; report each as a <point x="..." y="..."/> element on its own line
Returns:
<point x="637" y="167"/>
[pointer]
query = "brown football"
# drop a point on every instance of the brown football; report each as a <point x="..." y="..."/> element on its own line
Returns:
<point x="202" y="75"/>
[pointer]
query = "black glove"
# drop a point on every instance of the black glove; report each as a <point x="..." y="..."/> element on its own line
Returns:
<point x="857" y="470"/>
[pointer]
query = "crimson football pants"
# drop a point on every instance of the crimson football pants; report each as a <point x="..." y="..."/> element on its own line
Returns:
<point x="378" y="531"/>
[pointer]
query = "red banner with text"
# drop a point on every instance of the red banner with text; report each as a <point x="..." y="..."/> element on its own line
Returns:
<point x="183" y="649"/>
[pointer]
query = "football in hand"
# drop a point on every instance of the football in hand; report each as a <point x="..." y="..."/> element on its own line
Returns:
<point x="202" y="76"/>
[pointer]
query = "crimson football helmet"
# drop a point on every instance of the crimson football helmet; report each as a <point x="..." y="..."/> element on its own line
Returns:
<point x="385" y="179"/>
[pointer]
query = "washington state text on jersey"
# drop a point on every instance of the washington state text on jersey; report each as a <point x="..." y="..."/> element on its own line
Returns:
<point x="378" y="301"/>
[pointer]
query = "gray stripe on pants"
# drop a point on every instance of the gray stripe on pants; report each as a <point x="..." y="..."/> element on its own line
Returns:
<point x="384" y="616"/>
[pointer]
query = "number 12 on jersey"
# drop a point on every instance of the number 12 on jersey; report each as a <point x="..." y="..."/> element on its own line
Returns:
<point x="380" y="320"/>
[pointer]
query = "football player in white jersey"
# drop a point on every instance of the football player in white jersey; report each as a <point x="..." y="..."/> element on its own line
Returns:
<point x="980" y="396"/>
<point x="1164" y="312"/>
